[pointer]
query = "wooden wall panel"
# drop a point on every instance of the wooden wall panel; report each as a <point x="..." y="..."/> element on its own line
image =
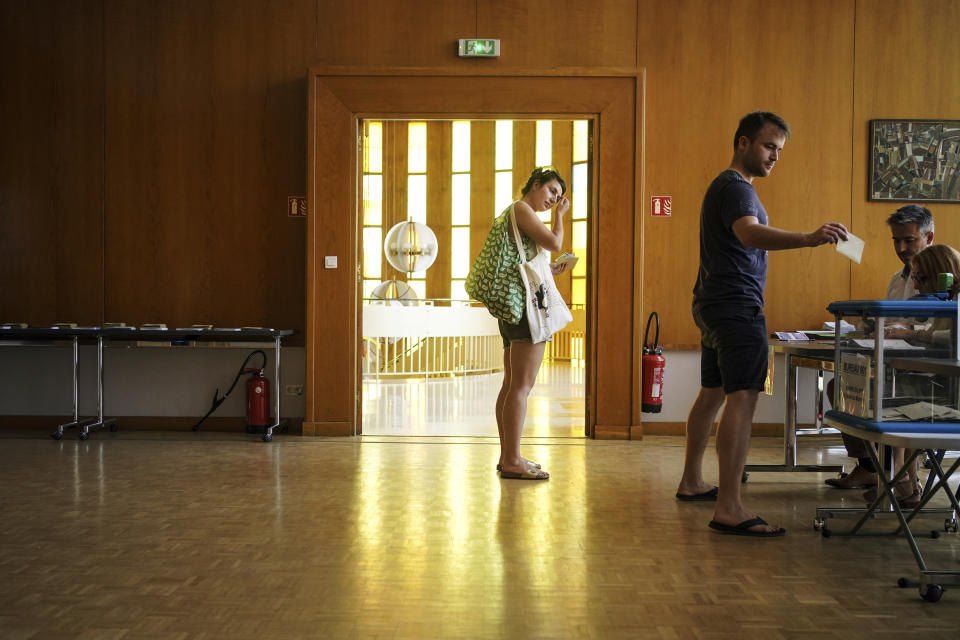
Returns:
<point x="707" y="66"/>
<point x="204" y="142"/>
<point x="51" y="168"/>
<point x="562" y="153"/>
<point x="333" y="327"/>
<point x="906" y="67"/>
<point x="543" y="34"/>
<point x="537" y="34"/>
<point x="524" y="153"/>
<point x="482" y="186"/>
<point x="439" y="205"/>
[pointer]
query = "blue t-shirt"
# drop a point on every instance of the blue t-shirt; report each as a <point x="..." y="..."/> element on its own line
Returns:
<point x="730" y="272"/>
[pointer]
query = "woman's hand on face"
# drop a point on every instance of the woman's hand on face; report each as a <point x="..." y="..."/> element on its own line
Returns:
<point x="563" y="205"/>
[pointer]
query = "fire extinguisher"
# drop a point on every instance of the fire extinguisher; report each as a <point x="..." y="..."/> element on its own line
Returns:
<point x="652" y="372"/>
<point x="258" y="399"/>
<point x="258" y="395"/>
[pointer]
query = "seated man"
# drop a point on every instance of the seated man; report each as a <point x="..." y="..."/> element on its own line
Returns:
<point x="912" y="230"/>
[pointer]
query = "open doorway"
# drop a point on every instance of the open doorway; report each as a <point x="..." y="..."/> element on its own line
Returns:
<point x="339" y="99"/>
<point x="431" y="359"/>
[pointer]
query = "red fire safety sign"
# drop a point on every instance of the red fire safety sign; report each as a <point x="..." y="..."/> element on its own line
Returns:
<point x="296" y="207"/>
<point x="660" y="206"/>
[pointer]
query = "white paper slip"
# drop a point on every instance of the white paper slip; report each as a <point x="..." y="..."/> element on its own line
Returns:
<point x="852" y="247"/>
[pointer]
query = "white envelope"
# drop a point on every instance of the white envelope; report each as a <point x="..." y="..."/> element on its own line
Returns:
<point x="852" y="247"/>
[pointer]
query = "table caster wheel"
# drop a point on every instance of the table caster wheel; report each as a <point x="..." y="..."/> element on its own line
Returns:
<point x="950" y="526"/>
<point x="933" y="593"/>
<point x="57" y="435"/>
<point x="84" y="435"/>
<point x="113" y="427"/>
<point x="267" y="437"/>
<point x="934" y="534"/>
<point x="744" y="477"/>
<point x="818" y="524"/>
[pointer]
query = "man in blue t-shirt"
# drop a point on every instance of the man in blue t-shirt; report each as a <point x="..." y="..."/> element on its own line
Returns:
<point x="728" y="309"/>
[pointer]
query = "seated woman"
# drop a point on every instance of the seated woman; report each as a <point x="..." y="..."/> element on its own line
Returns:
<point x="924" y="269"/>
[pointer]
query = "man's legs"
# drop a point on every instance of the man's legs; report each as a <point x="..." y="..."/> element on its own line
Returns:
<point x="699" y="421"/>
<point x="733" y="443"/>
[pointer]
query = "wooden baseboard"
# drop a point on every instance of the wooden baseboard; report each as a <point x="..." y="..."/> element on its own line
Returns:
<point x="313" y="428"/>
<point x="680" y="429"/>
<point x="618" y="432"/>
<point x="147" y="423"/>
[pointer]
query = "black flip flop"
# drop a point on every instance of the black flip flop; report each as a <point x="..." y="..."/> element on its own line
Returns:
<point x="709" y="495"/>
<point x="743" y="529"/>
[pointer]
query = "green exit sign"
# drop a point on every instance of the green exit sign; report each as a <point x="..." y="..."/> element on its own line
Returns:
<point x="479" y="48"/>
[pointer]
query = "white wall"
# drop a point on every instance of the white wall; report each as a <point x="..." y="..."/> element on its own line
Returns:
<point x="681" y="383"/>
<point x="142" y="381"/>
<point x="180" y="381"/>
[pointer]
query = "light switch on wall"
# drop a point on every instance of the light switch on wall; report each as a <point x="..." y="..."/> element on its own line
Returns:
<point x="330" y="262"/>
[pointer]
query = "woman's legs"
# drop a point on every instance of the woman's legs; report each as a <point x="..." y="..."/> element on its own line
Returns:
<point x="524" y="362"/>
<point x="504" y="388"/>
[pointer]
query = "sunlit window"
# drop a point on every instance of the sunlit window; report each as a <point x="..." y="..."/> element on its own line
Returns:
<point x="460" y="249"/>
<point x="579" y="291"/>
<point x="457" y="292"/>
<point x="372" y="199"/>
<point x="503" y="191"/>
<point x="460" y="210"/>
<point x="544" y="155"/>
<point x="417" y="147"/>
<point x="372" y="252"/>
<point x="372" y="214"/>
<point x="580" y="187"/>
<point x="419" y="285"/>
<point x="373" y="148"/>
<point x="460" y="146"/>
<point x="580" y="201"/>
<point x="417" y="198"/>
<point x="504" y="146"/>
<point x="581" y="134"/>
<point x="460" y="199"/>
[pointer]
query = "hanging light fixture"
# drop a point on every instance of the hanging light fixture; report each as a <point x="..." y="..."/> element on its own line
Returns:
<point x="410" y="246"/>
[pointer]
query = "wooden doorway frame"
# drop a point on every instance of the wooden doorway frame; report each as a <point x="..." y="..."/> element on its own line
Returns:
<point x="339" y="98"/>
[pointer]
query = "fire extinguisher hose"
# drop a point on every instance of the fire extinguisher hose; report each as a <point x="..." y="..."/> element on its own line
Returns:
<point x="656" y="340"/>
<point x="217" y="399"/>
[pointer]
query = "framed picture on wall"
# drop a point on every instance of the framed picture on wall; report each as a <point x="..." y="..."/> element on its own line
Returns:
<point x="915" y="160"/>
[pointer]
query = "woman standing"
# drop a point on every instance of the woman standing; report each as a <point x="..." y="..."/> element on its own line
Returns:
<point x="521" y="356"/>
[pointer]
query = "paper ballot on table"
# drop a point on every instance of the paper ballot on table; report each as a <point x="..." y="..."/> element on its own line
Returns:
<point x="852" y="247"/>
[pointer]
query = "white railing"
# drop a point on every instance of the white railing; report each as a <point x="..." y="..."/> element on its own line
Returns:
<point x="424" y="341"/>
<point x="427" y="341"/>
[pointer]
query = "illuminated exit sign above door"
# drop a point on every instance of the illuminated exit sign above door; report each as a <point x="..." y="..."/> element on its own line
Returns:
<point x="479" y="48"/>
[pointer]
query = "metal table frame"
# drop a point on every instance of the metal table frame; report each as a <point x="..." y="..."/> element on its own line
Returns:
<point x="796" y="355"/>
<point x="18" y="336"/>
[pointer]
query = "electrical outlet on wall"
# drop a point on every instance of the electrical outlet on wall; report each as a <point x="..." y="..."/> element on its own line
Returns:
<point x="293" y="390"/>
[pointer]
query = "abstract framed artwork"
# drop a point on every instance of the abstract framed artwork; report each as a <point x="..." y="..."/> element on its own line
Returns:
<point x="915" y="160"/>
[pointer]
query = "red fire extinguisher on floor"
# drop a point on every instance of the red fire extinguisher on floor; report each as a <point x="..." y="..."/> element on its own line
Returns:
<point x="651" y="378"/>
<point x="258" y="399"/>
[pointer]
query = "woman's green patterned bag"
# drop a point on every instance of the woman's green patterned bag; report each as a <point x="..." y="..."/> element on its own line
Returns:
<point x="494" y="278"/>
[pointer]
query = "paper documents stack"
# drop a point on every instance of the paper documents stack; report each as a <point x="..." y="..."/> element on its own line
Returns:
<point x="920" y="412"/>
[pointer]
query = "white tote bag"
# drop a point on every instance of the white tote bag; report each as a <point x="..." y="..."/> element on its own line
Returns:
<point x="547" y="313"/>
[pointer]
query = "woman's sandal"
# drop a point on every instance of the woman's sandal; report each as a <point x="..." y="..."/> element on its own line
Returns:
<point x="535" y="465"/>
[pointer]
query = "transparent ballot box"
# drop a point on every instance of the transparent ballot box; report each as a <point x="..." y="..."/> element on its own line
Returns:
<point x="900" y="365"/>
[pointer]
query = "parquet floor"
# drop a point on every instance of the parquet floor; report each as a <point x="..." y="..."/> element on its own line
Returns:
<point x="183" y="535"/>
